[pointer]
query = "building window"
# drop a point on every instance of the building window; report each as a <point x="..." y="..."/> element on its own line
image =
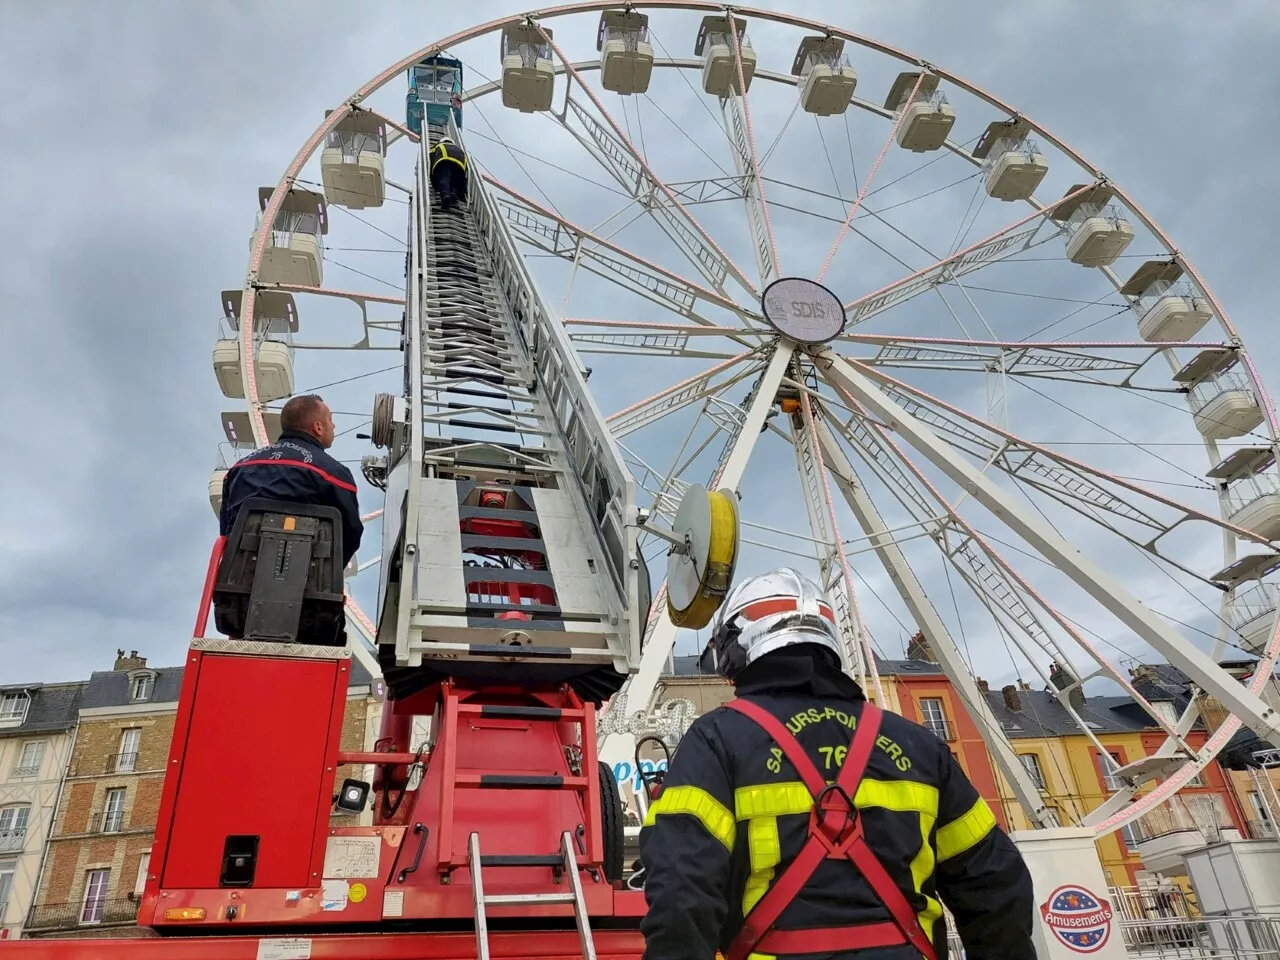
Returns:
<point x="1261" y="826"/>
<point x="13" y="705"/>
<point x="127" y="758"/>
<point x="13" y="827"/>
<point x="95" y="895"/>
<point x="113" y="813"/>
<point x="140" y="884"/>
<point x="7" y="869"/>
<point x="30" y="759"/>
<point x="1031" y="763"/>
<point x="1110" y="763"/>
<point x="142" y="686"/>
<point x="935" y="718"/>
<point x="1129" y="836"/>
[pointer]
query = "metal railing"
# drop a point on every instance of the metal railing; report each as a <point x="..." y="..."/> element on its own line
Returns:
<point x="84" y="913"/>
<point x="106" y="766"/>
<point x="13" y="841"/>
<point x="942" y="729"/>
<point x="123" y="762"/>
<point x="1194" y="938"/>
<point x="106" y="821"/>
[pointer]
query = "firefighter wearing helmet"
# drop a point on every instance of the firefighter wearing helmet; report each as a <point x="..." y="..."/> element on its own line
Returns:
<point x="448" y="173"/>
<point x="799" y="820"/>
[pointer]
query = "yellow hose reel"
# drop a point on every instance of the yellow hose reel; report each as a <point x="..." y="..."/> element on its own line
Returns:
<point x="700" y="572"/>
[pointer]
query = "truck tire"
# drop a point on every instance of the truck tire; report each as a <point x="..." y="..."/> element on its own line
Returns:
<point x="611" y="824"/>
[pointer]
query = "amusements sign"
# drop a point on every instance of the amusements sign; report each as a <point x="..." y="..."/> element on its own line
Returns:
<point x="1079" y="920"/>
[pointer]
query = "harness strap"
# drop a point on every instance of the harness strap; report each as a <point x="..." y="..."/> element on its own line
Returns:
<point x="846" y="842"/>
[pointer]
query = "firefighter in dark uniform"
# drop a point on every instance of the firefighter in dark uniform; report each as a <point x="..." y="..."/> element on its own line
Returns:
<point x="448" y="172"/>
<point x="801" y="821"/>
<point x="296" y="469"/>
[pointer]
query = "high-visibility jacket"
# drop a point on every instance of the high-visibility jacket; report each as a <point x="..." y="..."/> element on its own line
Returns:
<point x="733" y="830"/>
<point x="448" y="153"/>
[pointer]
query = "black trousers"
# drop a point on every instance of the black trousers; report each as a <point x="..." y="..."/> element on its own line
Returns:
<point x="450" y="183"/>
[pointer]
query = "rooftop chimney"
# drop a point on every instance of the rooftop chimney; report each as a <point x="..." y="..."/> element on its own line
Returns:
<point x="1023" y="685"/>
<point x="983" y="686"/>
<point x="1011" y="699"/>
<point x="918" y="649"/>
<point x="131" y="662"/>
<point x="1062" y="678"/>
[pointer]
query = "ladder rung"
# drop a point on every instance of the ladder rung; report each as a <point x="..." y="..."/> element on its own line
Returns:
<point x="513" y="899"/>
<point x="522" y="860"/>
<point x="520" y="781"/>
<point x="497" y="711"/>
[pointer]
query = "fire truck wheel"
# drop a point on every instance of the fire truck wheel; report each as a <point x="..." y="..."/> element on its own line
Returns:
<point x="611" y="822"/>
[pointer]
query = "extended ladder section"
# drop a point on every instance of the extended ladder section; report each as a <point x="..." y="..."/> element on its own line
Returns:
<point x="510" y="523"/>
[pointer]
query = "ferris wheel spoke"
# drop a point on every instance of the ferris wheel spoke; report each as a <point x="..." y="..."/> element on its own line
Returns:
<point x="1084" y="488"/>
<point x="616" y="154"/>
<point x="1001" y="245"/>
<point x="1074" y="362"/>
<point x="833" y="564"/>
<point x="1113" y="597"/>
<point x="680" y="395"/>
<point x="650" y="339"/>
<point x="743" y="140"/>
<point x="866" y="184"/>
<point x="550" y="232"/>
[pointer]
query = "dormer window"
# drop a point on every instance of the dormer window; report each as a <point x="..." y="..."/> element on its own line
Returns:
<point x="142" y="685"/>
<point x="13" y="706"/>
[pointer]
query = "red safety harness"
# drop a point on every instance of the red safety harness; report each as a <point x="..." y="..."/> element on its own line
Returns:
<point x="835" y="833"/>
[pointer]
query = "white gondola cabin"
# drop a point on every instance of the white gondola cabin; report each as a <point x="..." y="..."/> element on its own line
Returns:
<point x="1097" y="234"/>
<point x="927" y="117"/>
<point x="528" y="76"/>
<point x="1012" y="166"/>
<point x="351" y="164"/>
<point x="1168" y="307"/>
<point x="273" y="369"/>
<point x="236" y="428"/>
<point x="1253" y="615"/>
<point x="1225" y="406"/>
<point x="275" y="314"/>
<point x="719" y="57"/>
<point x="294" y="252"/>
<point x="626" y="55"/>
<point x="827" y="81"/>
<point x="1254" y="503"/>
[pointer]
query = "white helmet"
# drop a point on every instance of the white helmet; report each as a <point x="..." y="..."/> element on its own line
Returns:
<point x="766" y="613"/>
<point x="448" y="140"/>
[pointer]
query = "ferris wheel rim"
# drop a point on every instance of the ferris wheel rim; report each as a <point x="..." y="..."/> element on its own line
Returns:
<point x="309" y="148"/>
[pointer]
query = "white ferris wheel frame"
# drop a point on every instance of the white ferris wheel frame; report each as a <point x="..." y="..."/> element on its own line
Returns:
<point x="861" y="387"/>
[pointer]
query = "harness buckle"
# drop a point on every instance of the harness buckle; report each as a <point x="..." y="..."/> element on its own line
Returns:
<point x="831" y="800"/>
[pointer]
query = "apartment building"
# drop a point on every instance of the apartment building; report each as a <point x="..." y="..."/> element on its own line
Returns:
<point x="37" y="728"/>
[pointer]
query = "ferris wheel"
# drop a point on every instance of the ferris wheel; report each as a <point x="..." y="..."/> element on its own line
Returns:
<point x="941" y="359"/>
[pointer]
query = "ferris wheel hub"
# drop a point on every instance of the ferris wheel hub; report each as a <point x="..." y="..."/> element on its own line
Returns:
<point x="803" y="310"/>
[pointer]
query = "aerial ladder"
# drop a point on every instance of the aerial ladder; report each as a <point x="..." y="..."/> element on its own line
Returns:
<point x="512" y="604"/>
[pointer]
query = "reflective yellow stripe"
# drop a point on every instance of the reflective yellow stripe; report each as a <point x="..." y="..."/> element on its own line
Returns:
<point x="766" y="853"/>
<point x="965" y="831"/>
<point x="710" y="812"/>
<point x="762" y="804"/>
<point x="793" y="797"/>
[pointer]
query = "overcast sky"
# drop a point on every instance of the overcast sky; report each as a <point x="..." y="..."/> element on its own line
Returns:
<point x="138" y="134"/>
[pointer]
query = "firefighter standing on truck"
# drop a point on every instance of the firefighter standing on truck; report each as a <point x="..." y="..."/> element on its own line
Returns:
<point x="755" y="818"/>
<point x="448" y="172"/>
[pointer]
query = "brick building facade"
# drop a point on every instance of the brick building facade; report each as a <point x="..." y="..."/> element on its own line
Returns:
<point x="100" y="846"/>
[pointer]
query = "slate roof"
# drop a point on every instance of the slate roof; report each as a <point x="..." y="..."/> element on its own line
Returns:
<point x="112" y="688"/>
<point x="53" y="706"/>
